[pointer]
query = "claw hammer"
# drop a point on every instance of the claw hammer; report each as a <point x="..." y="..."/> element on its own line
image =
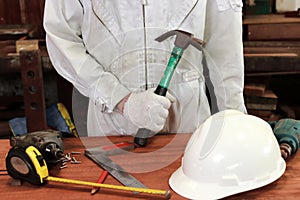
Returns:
<point x="182" y="41"/>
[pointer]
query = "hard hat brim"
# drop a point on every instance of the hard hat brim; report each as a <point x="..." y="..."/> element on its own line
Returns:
<point x="191" y="189"/>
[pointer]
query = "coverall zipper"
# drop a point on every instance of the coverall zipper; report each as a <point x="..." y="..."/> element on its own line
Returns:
<point x="144" y="3"/>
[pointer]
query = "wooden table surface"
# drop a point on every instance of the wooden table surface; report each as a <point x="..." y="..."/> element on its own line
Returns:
<point x="287" y="187"/>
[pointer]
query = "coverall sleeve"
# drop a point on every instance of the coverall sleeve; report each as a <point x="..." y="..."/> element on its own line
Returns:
<point x="67" y="52"/>
<point x="224" y="54"/>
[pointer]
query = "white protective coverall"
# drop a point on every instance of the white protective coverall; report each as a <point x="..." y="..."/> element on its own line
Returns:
<point x="107" y="49"/>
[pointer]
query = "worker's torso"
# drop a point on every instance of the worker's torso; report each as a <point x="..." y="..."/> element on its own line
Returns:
<point x="120" y="35"/>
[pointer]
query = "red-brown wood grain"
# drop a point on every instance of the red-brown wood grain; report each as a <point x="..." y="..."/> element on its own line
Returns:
<point x="287" y="187"/>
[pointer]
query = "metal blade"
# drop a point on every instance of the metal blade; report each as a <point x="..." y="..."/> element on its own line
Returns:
<point x="115" y="170"/>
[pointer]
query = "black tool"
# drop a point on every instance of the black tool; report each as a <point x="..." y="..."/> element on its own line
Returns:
<point x="49" y="143"/>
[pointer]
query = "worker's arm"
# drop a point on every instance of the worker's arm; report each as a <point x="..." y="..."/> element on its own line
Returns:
<point x="224" y="57"/>
<point x="62" y="23"/>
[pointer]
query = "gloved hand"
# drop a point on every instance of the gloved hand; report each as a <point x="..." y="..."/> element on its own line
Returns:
<point x="147" y="109"/>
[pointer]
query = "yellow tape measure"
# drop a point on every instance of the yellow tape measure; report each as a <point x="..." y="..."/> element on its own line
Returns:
<point x="28" y="164"/>
<point x="108" y="186"/>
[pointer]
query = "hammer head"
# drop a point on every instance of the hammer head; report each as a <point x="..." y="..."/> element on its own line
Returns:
<point x="183" y="39"/>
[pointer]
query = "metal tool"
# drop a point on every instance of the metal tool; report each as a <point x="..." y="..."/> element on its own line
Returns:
<point x="182" y="41"/>
<point x="49" y="143"/>
<point x="287" y="133"/>
<point x="99" y="156"/>
<point x="28" y="164"/>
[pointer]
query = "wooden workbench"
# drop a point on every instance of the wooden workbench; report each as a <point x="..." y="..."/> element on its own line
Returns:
<point x="287" y="187"/>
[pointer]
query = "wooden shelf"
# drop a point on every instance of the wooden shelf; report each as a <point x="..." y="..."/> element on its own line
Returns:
<point x="271" y="27"/>
<point x="269" y="19"/>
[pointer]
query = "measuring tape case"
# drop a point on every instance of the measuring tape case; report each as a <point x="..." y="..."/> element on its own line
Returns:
<point x="27" y="164"/>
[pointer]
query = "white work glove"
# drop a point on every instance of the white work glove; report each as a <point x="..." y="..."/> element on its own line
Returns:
<point x="148" y="110"/>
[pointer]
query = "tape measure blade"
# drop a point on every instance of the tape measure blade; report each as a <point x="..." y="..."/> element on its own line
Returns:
<point x="115" y="170"/>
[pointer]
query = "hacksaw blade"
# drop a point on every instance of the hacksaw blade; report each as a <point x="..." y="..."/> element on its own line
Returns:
<point x="115" y="170"/>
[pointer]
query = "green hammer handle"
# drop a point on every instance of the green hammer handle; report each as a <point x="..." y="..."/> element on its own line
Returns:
<point x="143" y="133"/>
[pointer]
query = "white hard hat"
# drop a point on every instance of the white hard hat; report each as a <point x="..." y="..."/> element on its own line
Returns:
<point x="231" y="152"/>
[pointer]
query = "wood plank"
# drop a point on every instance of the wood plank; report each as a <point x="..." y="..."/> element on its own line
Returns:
<point x="289" y="51"/>
<point x="271" y="57"/>
<point x="273" y="64"/>
<point x="265" y="114"/>
<point x="278" y="31"/>
<point x="254" y="89"/>
<point x="10" y="62"/>
<point x="266" y="101"/>
<point x="13" y="30"/>
<point x="272" y="44"/>
<point x="261" y="54"/>
<point x="269" y="19"/>
<point x="33" y="87"/>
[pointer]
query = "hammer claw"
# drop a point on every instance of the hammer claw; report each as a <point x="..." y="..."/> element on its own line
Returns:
<point x="183" y="39"/>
